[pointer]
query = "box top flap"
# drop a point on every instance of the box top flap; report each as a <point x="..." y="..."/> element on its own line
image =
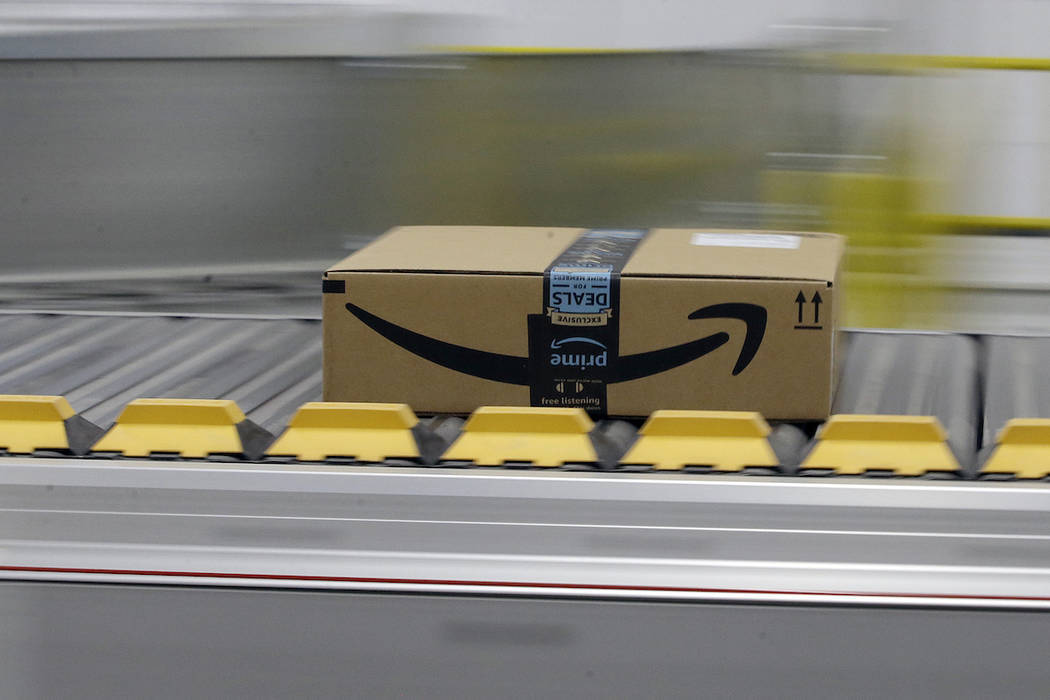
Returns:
<point x="664" y="252"/>
<point x="492" y="249"/>
<point x="737" y="254"/>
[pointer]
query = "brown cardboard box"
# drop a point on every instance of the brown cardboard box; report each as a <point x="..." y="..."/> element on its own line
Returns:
<point x="618" y="322"/>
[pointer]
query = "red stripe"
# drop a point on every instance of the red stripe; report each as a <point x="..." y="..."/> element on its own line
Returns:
<point x="505" y="584"/>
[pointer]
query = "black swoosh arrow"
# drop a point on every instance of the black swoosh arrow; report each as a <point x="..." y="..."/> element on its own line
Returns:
<point x="480" y="363"/>
<point x="515" y="370"/>
<point x="645" y="364"/>
<point x="754" y="318"/>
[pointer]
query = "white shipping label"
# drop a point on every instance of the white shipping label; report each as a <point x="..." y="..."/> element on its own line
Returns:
<point x="748" y="240"/>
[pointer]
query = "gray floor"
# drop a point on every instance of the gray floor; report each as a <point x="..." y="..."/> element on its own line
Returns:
<point x="206" y="643"/>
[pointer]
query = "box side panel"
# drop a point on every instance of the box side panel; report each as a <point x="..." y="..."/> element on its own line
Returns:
<point x="486" y="313"/>
<point x="789" y="376"/>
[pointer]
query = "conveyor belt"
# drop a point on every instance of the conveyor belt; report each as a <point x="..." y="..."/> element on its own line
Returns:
<point x="1018" y="381"/>
<point x="76" y="515"/>
<point x="271" y="366"/>
<point x="100" y="363"/>
<point x="915" y="374"/>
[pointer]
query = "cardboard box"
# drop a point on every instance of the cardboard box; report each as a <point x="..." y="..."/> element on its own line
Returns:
<point x="619" y="322"/>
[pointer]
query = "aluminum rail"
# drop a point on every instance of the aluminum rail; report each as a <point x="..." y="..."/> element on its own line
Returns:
<point x="499" y="532"/>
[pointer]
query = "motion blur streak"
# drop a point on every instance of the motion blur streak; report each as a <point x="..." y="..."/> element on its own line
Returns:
<point x="919" y="130"/>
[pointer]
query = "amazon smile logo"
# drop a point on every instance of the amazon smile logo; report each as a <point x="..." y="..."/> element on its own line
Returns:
<point x="589" y="353"/>
<point x="511" y="369"/>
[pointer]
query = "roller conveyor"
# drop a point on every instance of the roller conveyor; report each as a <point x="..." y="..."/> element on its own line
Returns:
<point x="271" y="367"/>
<point x="1018" y="381"/>
<point x="916" y="374"/>
<point x="100" y="363"/>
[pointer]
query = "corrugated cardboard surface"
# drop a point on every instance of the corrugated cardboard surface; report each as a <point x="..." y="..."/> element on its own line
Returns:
<point x="670" y="252"/>
<point x="486" y="312"/>
<point x="462" y="249"/>
<point x="475" y="287"/>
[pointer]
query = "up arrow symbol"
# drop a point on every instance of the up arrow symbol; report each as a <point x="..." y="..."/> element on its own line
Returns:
<point x="801" y="301"/>
<point x="817" y="301"/>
